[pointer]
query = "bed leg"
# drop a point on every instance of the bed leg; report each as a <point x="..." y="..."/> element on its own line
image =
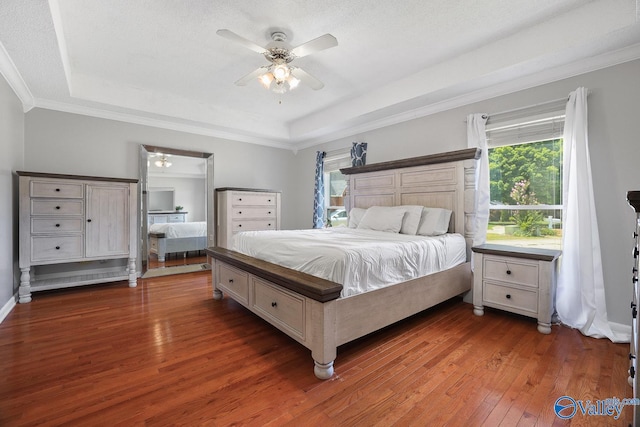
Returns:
<point x="323" y="371"/>
<point x="217" y="294"/>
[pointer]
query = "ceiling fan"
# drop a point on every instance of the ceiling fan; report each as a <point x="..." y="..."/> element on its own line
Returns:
<point x="279" y="72"/>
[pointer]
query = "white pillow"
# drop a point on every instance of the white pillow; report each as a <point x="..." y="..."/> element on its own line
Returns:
<point x="383" y="218"/>
<point x="434" y="221"/>
<point x="411" y="220"/>
<point x="355" y="216"/>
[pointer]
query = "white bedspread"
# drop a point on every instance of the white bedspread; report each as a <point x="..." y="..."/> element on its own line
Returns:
<point x="180" y="229"/>
<point x="360" y="260"/>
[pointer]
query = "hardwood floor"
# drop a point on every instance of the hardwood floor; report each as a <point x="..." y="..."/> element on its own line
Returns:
<point x="166" y="353"/>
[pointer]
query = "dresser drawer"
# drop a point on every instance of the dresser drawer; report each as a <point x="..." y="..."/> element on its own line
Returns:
<point x="253" y="225"/>
<point x="59" y="190"/>
<point x="253" y="212"/>
<point x="234" y="282"/>
<point x="176" y="218"/>
<point x="511" y="270"/>
<point x="285" y="309"/>
<point x="57" y="207"/>
<point x="510" y="298"/>
<point x="253" y="199"/>
<point x="56" y="248"/>
<point x="56" y="225"/>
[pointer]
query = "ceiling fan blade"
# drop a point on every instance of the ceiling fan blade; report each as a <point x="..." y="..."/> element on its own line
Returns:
<point x="252" y="75"/>
<point x="307" y="78"/>
<point x="230" y="35"/>
<point x="315" y="45"/>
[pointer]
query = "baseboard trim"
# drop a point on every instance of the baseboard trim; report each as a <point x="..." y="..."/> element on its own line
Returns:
<point x="6" y="309"/>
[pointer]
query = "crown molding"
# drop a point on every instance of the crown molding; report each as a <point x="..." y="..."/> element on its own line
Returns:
<point x="573" y="69"/>
<point x="160" y="123"/>
<point x="14" y="79"/>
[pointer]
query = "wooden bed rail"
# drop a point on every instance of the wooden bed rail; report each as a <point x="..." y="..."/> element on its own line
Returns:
<point x="318" y="289"/>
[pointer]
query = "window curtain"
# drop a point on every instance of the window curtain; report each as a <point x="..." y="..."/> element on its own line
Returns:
<point x="359" y="154"/>
<point x="318" y="193"/>
<point x="477" y="138"/>
<point x="580" y="296"/>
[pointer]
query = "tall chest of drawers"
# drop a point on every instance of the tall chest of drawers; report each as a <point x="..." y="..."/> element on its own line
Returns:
<point x="68" y="220"/>
<point x="244" y="209"/>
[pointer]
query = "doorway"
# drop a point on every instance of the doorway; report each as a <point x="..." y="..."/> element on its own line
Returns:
<point x="176" y="210"/>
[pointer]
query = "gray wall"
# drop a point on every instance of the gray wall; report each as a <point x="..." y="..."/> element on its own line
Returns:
<point x="60" y="142"/>
<point x="614" y="141"/>
<point x="11" y="159"/>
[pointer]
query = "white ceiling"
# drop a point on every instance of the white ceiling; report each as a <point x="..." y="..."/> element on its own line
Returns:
<point x="161" y="63"/>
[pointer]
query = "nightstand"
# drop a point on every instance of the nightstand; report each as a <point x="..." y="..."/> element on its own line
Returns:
<point x="519" y="280"/>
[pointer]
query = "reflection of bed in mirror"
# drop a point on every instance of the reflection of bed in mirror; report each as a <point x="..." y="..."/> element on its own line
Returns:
<point x="180" y="237"/>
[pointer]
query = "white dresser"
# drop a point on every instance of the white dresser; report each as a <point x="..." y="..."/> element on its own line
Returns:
<point x="68" y="220"/>
<point x="164" y="217"/>
<point x="519" y="280"/>
<point x="243" y="209"/>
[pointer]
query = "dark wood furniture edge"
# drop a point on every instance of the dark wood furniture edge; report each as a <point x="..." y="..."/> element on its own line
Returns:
<point x="305" y="284"/>
<point x="518" y="252"/>
<point x="633" y="197"/>
<point x="255" y="190"/>
<point x="176" y="151"/>
<point x="431" y="159"/>
<point x="77" y="177"/>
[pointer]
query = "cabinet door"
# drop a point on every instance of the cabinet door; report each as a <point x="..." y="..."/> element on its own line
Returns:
<point x="107" y="226"/>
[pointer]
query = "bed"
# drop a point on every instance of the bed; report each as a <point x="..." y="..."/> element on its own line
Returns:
<point x="313" y="310"/>
<point x="178" y="237"/>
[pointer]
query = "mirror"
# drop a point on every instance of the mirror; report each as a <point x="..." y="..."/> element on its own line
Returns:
<point x="176" y="210"/>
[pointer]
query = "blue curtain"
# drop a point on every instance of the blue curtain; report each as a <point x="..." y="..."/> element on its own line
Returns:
<point x="318" y="193"/>
<point x="359" y="154"/>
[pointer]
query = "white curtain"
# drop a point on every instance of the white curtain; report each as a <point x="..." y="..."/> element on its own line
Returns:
<point x="477" y="138"/>
<point x="580" y="297"/>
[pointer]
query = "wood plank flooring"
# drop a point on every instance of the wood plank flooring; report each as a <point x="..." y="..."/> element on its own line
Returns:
<point x="166" y="353"/>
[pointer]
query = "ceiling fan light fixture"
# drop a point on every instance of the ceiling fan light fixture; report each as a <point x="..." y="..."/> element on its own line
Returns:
<point x="163" y="162"/>
<point x="293" y="82"/>
<point x="281" y="72"/>
<point x="266" y="79"/>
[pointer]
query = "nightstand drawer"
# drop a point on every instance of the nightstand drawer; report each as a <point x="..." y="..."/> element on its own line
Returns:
<point x="282" y="308"/>
<point x="511" y="270"/>
<point x="233" y="281"/>
<point x="511" y="298"/>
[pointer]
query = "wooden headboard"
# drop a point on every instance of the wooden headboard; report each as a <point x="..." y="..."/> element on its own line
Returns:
<point x="444" y="180"/>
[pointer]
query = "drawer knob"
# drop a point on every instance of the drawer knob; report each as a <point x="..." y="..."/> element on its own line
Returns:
<point x="230" y="280"/>
<point x="57" y="189"/>
<point x="57" y="247"/>
<point x="269" y="225"/>
<point x="269" y="212"/>
<point x="57" y="207"/>
<point x="240" y="213"/>
<point x="508" y="271"/>
<point x="269" y="200"/>
<point x="240" y="199"/>
<point x="274" y="304"/>
<point x="508" y="296"/>
<point x="57" y="225"/>
<point x="239" y="225"/>
<point x="89" y="220"/>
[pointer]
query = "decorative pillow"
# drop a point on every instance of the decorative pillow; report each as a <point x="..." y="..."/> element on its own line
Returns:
<point x="355" y="216"/>
<point x="411" y="220"/>
<point x="434" y="221"/>
<point x="383" y="218"/>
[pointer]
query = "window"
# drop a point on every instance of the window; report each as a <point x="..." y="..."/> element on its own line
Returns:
<point x="525" y="177"/>
<point x="335" y="185"/>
